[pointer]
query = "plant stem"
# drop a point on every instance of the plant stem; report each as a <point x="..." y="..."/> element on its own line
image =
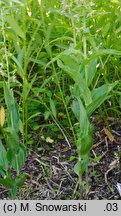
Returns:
<point x="25" y="105"/>
<point x="85" y="47"/>
<point x="17" y="165"/>
<point x="87" y="182"/>
<point x="81" y="187"/>
<point x="80" y="184"/>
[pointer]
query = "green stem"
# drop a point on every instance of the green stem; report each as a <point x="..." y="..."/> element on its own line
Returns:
<point x="24" y="93"/>
<point x="16" y="156"/>
<point x="80" y="184"/>
<point x="85" y="48"/>
<point x="87" y="182"/>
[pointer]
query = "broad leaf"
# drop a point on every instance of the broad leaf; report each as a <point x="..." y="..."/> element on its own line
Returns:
<point x="76" y="109"/>
<point x="20" y="180"/>
<point x="14" y="25"/>
<point x="84" y="143"/>
<point x="81" y="115"/>
<point x="99" y="95"/>
<point x="12" y="117"/>
<point x="17" y="159"/>
<point x="12" y="139"/>
<point x="91" y="71"/>
<point x="81" y="166"/>
<point x="80" y="82"/>
<point x="8" y="182"/>
<point x="8" y="94"/>
<point x="53" y="107"/>
<point x="3" y="158"/>
<point x="84" y="122"/>
<point x="15" y="116"/>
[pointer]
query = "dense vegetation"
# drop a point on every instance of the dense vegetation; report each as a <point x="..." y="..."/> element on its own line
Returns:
<point x="60" y="75"/>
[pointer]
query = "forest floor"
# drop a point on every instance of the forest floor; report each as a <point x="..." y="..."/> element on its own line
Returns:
<point x="50" y="173"/>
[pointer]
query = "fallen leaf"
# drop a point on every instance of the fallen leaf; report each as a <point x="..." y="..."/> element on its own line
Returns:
<point x="49" y="140"/>
<point x="112" y="164"/>
<point x="109" y="134"/>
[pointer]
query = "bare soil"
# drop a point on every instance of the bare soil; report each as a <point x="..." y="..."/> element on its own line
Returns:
<point x="50" y="174"/>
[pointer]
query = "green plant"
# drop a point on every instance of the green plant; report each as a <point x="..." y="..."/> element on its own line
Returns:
<point x="84" y="58"/>
<point x="13" y="152"/>
<point x="86" y="97"/>
<point x="84" y="100"/>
